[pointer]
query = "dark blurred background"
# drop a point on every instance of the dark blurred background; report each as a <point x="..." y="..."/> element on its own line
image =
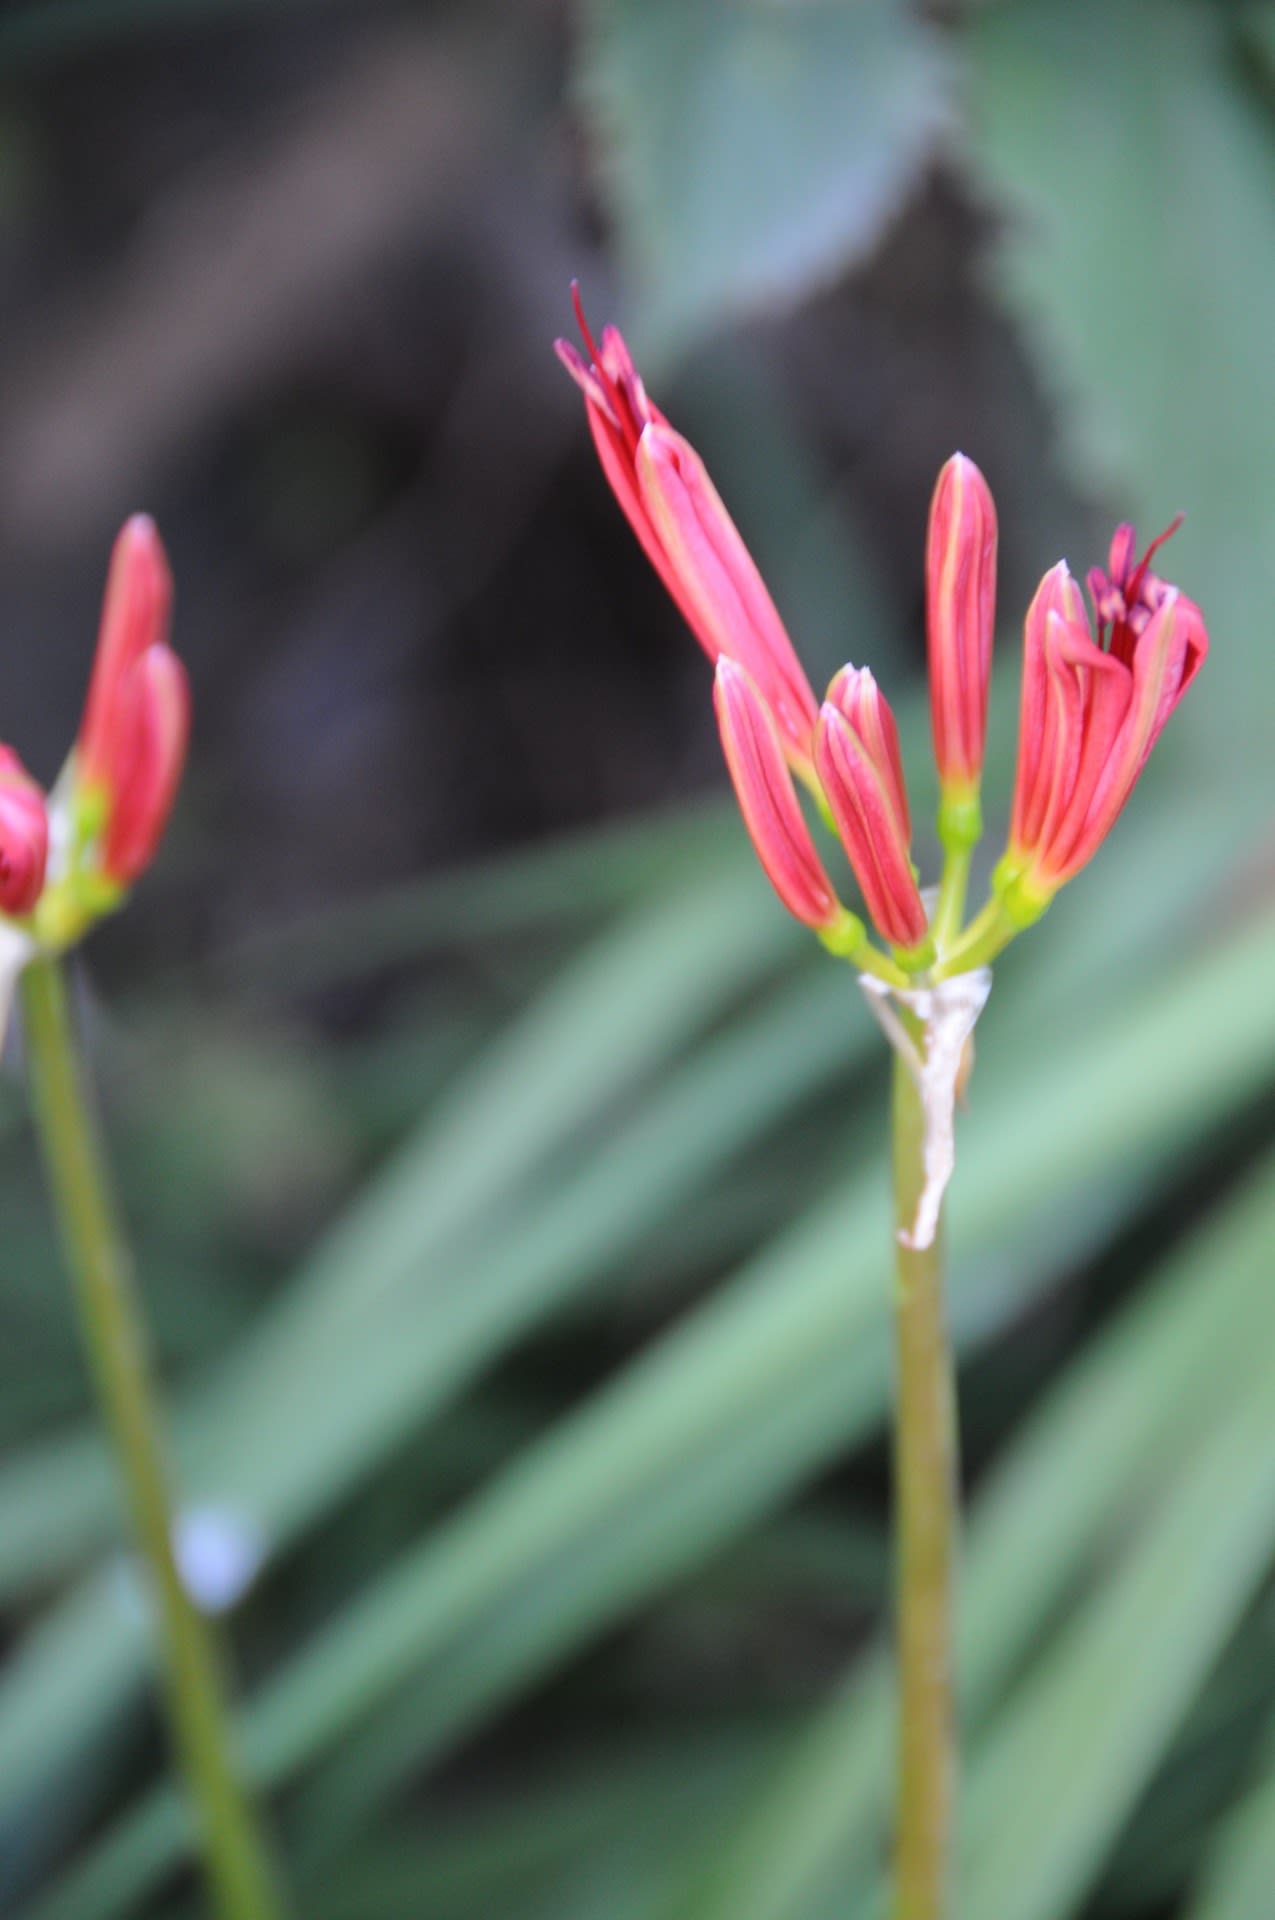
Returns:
<point x="507" y="1176"/>
<point x="288" y="275"/>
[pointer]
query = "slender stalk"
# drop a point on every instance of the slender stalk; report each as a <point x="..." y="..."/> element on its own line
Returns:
<point x="925" y="1523"/>
<point x="988" y="933"/>
<point x="238" y="1866"/>
<point x="950" y="910"/>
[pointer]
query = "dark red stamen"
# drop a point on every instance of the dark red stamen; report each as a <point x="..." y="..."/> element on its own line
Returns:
<point x="619" y="400"/>
<point x="585" y="333"/>
<point x="1134" y="588"/>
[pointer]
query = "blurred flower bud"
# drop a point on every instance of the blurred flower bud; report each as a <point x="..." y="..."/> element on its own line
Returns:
<point x="153" y="727"/>
<point x="132" y="740"/>
<point x="24" y="836"/>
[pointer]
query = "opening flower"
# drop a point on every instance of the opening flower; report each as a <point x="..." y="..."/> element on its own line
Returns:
<point x="1092" y="710"/>
<point x="687" y="534"/>
<point x="770" y="722"/>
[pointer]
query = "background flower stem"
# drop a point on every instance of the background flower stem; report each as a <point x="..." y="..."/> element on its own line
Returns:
<point x="236" y="1858"/>
<point x="925" y="1522"/>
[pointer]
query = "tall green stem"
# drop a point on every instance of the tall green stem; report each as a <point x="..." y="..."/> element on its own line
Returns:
<point x="925" y="1523"/>
<point x="238" y="1866"/>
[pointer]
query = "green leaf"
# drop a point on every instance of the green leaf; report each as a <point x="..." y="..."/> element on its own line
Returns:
<point x="1239" y="1866"/>
<point x="274" y="1460"/>
<point x="1127" y="1414"/>
<point x="541" y="1841"/>
<point x="1134" y="176"/>
<point x="594" y="1031"/>
<point x="723" y="1418"/>
<point x="754" y="148"/>
<point x="1064" y="1765"/>
<point x="576" y="876"/>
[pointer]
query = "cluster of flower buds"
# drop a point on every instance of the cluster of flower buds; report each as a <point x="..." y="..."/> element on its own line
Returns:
<point x="68" y="857"/>
<point x="1091" y="709"/>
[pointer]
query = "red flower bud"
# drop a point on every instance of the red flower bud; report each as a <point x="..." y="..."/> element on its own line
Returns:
<point x="132" y="741"/>
<point x="24" y="836"/>
<point x="153" y="725"/>
<point x="858" y="698"/>
<point x="135" y="613"/>
<point x="859" y="784"/>
<point x="960" y="606"/>
<point x="687" y="534"/>
<point x="1091" y="712"/>
<point x="768" y="799"/>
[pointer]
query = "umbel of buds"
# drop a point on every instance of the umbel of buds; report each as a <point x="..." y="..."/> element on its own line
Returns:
<point x="1092" y="707"/>
<point x="68" y="857"/>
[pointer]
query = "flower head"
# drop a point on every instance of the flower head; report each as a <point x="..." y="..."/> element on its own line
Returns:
<point x="66" y="860"/>
<point x="687" y="534"/>
<point x="1092" y="710"/>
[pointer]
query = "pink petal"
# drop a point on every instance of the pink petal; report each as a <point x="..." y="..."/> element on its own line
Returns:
<point x="135" y="614"/>
<point x="960" y="596"/>
<point x="768" y="799"/>
<point x="856" y="695"/>
<point x="148" y="766"/>
<point x="734" y="614"/>
<point x="1056" y="594"/>
<point x="869" y="829"/>
<point x="24" y="836"/>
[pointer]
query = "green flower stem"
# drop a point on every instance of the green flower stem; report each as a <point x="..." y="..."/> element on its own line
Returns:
<point x="866" y="959"/>
<point x="848" y="940"/>
<point x="925" y="1524"/>
<point x="238" y="1866"/>
<point x="953" y="886"/>
<point x="988" y="933"/>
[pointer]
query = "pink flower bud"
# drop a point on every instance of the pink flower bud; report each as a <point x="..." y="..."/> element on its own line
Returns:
<point x="1092" y="711"/>
<point x="858" y="786"/>
<point x="960" y="600"/>
<point x="152" y="729"/>
<point x="24" y="836"/>
<point x="135" y="613"/>
<point x="132" y="741"/>
<point x="857" y="697"/>
<point x="687" y="534"/>
<point x="768" y="799"/>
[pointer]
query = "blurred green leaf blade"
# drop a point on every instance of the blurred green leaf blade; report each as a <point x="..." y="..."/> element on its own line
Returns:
<point x="1133" y="175"/>
<point x="754" y="149"/>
